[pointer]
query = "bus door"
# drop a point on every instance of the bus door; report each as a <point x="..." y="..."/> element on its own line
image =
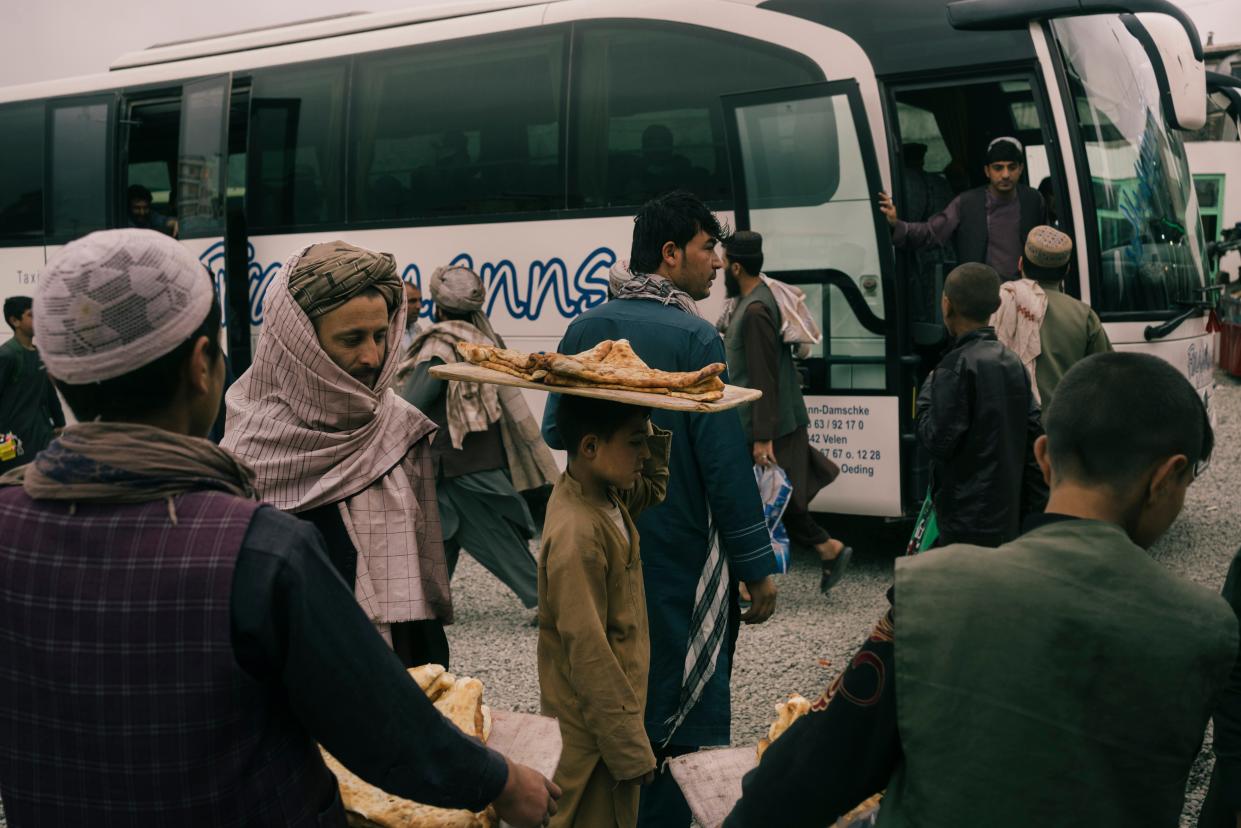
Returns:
<point x="805" y="177"/>
<point x="202" y="176"/>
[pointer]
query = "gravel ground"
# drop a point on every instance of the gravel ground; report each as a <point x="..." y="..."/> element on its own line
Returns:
<point x="492" y="640"/>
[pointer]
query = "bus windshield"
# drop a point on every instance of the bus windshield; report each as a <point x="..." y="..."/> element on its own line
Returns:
<point x="1149" y="232"/>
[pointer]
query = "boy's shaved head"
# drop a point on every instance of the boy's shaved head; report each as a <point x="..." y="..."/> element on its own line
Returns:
<point x="974" y="291"/>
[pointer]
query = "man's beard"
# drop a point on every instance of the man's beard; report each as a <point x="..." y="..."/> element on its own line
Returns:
<point x="732" y="288"/>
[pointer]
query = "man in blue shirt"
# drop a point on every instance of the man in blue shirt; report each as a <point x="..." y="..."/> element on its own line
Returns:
<point x="709" y="533"/>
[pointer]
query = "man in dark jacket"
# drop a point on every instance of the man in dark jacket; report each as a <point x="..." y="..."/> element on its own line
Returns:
<point x="174" y="649"/>
<point x="29" y="409"/>
<point x="987" y="224"/>
<point x="977" y="418"/>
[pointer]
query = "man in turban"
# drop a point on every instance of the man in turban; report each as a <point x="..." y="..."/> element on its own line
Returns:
<point x="331" y="443"/>
<point x="488" y="446"/>
<point x="174" y="649"/>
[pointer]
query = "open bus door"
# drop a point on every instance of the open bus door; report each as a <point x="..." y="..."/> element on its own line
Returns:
<point x="202" y="176"/>
<point x="805" y="176"/>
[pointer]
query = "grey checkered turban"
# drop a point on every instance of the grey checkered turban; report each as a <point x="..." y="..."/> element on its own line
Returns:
<point x="116" y="300"/>
<point x="330" y="274"/>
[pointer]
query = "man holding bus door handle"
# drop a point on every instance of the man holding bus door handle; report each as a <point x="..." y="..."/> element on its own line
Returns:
<point x="987" y="224"/>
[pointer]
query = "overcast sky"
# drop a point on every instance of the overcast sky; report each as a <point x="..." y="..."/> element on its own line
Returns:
<point x="61" y="38"/>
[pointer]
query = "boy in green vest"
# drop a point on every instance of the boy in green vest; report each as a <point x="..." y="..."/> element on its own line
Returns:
<point x="1065" y="678"/>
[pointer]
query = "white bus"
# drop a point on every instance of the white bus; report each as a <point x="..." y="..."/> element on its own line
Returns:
<point x="520" y="136"/>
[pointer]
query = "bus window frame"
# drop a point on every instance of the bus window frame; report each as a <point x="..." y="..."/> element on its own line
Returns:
<point x="34" y="239"/>
<point x="257" y="75"/>
<point x="1028" y="72"/>
<point x="127" y="99"/>
<point x="650" y="24"/>
<point x="825" y="275"/>
<point x="565" y="30"/>
<point x="111" y="98"/>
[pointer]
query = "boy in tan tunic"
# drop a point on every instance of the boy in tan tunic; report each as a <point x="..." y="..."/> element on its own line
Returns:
<point x="594" y="645"/>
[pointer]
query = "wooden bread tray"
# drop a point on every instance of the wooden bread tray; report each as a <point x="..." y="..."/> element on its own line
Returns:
<point x="468" y="372"/>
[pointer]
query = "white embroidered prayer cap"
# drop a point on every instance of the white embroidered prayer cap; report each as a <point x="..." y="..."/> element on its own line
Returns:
<point x="115" y="300"/>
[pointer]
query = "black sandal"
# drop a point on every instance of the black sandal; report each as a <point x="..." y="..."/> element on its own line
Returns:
<point x="834" y="570"/>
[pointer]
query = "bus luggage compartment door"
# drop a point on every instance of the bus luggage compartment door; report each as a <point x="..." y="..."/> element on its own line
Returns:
<point x="805" y="177"/>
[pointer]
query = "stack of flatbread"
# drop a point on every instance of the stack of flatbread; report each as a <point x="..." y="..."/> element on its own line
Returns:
<point x="611" y="364"/>
<point x="461" y="702"/>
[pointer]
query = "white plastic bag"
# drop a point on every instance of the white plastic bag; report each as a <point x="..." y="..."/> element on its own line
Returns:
<point x="798" y="326"/>
<point x="774" y="489"/>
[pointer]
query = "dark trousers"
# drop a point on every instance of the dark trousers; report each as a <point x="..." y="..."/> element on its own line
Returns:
<point x="990" y="541"/>
<point x="808" y="472"/>
<point x="420" y="642"/>
<point x="662" y="804"/>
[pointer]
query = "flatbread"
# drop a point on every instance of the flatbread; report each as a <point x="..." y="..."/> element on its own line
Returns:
<point x="478" y="354"/>
<point x="462" y="705"/>
<point x="599" y="352"/>
<point x="622" y="355"/>
<point x="504" y="368"/>
<point x="787" y="712"/>
<point x="704" y="392"/>
<point x="441" y="685"/>
<point x="384" y="810"/>
<point x="426" y="675"/>
<point x="634" y="379"/>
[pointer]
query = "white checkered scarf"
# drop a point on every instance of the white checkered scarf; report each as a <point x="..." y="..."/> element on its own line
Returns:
<point x="1019" y="323"/>
<point x="315" y="435"/>
<point x="474" y="406"/>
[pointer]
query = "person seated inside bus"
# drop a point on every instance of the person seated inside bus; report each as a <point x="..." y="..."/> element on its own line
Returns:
<point x="977" y="419"/>
<point x="987" y="224"/>
<point x="143" y="216"/>
<point x="658" y="168"/>
<point x="1066" y="678"/>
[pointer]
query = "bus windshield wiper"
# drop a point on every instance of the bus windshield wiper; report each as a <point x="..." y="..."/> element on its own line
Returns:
<point x="1192" y="308"/>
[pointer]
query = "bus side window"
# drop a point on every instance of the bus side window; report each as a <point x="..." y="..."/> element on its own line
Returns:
<point x="296" y="154"/>
<point x="647" y="111"/>
<point x="21" y="185"/>
<point x="78" y="146"/>
<point x="459" y="128"/>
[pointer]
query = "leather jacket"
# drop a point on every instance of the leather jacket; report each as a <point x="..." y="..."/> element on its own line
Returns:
<point x="977" y="418"/>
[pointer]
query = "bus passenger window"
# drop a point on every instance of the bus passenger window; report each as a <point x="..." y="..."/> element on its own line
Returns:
<point x="296" y="154"/>
<point x="469" y="127"/>
<point x="79" y="168"/>
<point x="636" y="135"/>
<point x="21" y="185"/>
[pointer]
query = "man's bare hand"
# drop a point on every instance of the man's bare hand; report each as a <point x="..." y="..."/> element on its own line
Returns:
<point x="528" y="799"/>
<point x="762" y="600"/>
<point x="764" y="453"/>
<point x="887" y="208"/>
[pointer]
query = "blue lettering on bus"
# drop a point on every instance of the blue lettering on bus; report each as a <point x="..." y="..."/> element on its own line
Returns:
<point x="523" y="299"/>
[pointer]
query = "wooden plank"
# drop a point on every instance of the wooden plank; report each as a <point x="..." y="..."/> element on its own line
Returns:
<point x="526" y="738"/>
<point x="734" y="395"/>
<point x="711" y="781"/>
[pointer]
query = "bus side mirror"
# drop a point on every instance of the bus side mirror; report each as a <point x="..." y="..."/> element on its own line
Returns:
<point x="1181" y="76"/>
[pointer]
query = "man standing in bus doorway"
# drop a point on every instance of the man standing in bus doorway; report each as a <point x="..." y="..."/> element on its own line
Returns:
<point x="175" y="651"/>
<point x="709" y="534"/>
<point x="776" y="423"/>
<point x="987" y="224"/>
<point x="1049" y="330"/>
<point x="487" y="447"/>
<point x="331" y="442"/>
<point x="29" y="408"/>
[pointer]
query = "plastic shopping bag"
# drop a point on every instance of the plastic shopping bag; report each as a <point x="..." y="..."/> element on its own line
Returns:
<point x="798" y="326"/>
<point x="926" y="530"/>
<point x="775" y="489"/>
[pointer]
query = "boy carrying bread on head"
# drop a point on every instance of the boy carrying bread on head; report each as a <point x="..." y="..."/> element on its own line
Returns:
<point x="594" y="645"/>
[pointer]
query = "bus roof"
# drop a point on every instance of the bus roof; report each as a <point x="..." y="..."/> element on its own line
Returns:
<point x="314" y="29"/>
<point x="906" y="36"/>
